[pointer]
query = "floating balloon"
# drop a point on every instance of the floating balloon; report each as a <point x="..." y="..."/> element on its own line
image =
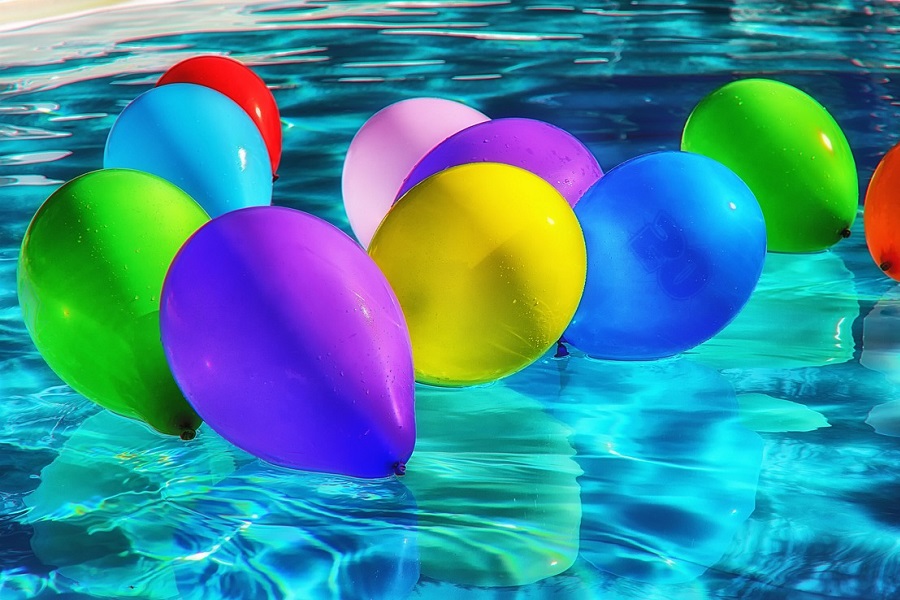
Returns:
<point x="90" y="274"/>
<point x="198" y="139"/>
<point x="287" y="339"/>
<point x="545" y="150"/>
<point x="496" y="486"/>
<point x="242" y="85"/>
<point x="488" y="263"/>
<point x="882" y="214"/>
<point x="387" y="147"/>
<point x="789" y="151"/>
<point x="675" y="244"/>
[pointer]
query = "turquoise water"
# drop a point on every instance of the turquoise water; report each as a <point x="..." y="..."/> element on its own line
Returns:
<point x="763" y="464"/>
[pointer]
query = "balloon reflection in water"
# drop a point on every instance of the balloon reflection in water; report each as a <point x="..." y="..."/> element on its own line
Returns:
<point x="881" y="353"/>
<point x="668" y="477"/>
<point x="799" y="315"/>
<point x="881" y="336"/>
<point x="496" y="488"/>
<point x="123" y="512"/>
<point x="104" y="513"/>
<point x="765" y="413"/>
<point x="268" y="532"/>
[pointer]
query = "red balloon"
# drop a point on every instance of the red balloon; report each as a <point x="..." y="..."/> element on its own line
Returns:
<point x="881" y="214"/>
<point x="238" y="82"/>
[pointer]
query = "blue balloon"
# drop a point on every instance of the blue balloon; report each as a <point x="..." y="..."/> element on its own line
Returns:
<point x="675" y="245"/>
<point x="198" y="139"/>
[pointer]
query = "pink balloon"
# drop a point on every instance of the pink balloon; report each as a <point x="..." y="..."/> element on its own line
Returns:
<point x="385" y="150"/>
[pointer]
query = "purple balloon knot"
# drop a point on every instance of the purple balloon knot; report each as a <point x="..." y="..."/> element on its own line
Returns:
<point x="399" y="468"/>
<point x="561" y="350"/>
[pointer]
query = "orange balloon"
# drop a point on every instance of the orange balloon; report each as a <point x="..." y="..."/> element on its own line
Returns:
<point x="881" y="215"/>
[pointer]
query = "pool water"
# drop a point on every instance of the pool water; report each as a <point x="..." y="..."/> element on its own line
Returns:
<point x="763" y="464"/>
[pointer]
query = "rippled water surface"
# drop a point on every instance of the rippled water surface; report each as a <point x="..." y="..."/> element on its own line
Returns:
<point x="764" y="464"/>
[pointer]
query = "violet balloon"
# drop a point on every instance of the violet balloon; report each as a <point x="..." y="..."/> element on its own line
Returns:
<point x="544" y="149"/>
<point x="287" y="339"/>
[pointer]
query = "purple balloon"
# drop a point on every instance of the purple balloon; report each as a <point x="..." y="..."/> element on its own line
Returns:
<point x="544" y="149"/>
<point x="289" y="342"/>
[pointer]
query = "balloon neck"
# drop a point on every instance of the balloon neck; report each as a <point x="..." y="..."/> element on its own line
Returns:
<point x="188" y="434"/>
<point x="845" y="232"/>
<point x="885" y="266"/>
<point x="274" y="177"/>
<point x="399" y="469"/>
<point x="561" y="350"/>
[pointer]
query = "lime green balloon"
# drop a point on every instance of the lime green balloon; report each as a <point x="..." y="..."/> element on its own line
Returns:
<point x="90" y="274"/>
<point x="789" y="151"/>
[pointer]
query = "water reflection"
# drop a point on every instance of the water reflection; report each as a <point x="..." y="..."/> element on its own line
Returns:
<point x="881" y="336"/>
<point x="670" y="472"/>
<point x="885" y="418"/>
<point x="124" y="512"/>
<point x="765" y="413"/>
<point x="800" y="315"/>
<point x="268" y="532"/>
<point x="100" y="514"/>
<point x="881" y="353"/>
<point x="496" y="488"/>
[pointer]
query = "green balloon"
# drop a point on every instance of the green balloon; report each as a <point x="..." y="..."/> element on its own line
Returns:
<point x="789" y="151"/>
<point x="90" y="274"/>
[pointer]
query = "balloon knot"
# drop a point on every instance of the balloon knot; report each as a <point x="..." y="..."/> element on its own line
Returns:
<point x="399" y="469"/>
<point x="188" y="434"/>
<point x="885" y="266"/>
<point x="561" y="350"/>
<point x="274" y="177"/>
<point x="845" y="232"/>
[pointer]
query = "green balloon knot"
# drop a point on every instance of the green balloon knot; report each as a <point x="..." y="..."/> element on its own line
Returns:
<point x="845" y="232"/>
<point x="188" y="434"/>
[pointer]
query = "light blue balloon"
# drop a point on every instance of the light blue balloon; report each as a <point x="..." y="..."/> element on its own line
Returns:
<point x="675" y="246"/>
<point x="200" y="140"/>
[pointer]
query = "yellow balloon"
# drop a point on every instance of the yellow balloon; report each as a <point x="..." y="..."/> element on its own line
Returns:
<point x="488" y="263"/>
